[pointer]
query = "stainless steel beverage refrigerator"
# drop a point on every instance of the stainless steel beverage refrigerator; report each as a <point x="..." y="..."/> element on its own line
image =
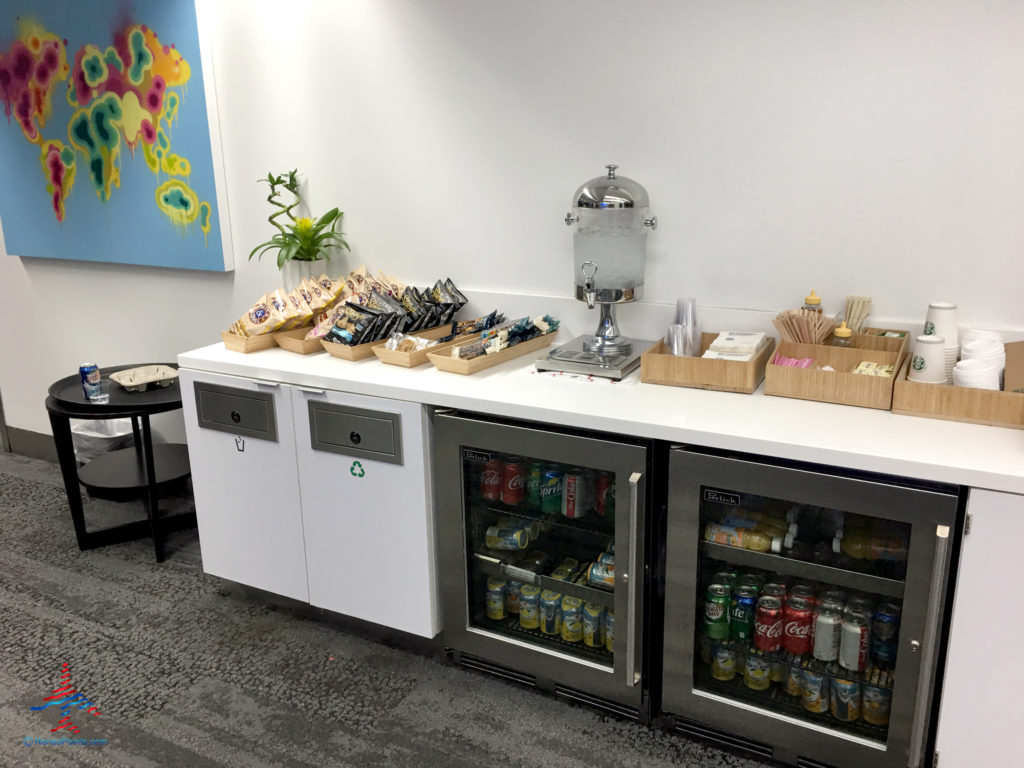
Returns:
<point x="805" y="608"/>
<point x="542" y="544"/>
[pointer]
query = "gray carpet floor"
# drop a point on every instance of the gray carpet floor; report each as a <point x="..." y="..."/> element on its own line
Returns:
<point x="188" y="670"/>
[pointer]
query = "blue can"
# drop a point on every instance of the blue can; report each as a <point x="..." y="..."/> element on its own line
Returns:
<point x="551" y="612"/>
<point x="89" y="373"/>
<point x="609" y="630"/>
<point x="844" y="700"/>
<point x="885" y="629"/>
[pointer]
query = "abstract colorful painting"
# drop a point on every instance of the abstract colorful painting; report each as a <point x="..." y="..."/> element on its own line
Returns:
<point x="105" y="152"/>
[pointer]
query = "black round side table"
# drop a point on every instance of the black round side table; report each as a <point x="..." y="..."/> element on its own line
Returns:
<point x="144" y="467"/>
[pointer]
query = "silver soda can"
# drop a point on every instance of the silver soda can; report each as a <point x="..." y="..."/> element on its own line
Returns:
<point x="827" y="629"/>
<point x="576" y="495"/>
<point x="853" y="643"/>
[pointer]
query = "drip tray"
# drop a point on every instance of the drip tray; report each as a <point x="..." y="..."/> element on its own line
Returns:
<point x="573" y="358"/>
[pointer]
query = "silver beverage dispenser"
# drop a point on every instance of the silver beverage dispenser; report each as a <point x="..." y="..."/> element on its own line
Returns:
<point x="610" y="223"/>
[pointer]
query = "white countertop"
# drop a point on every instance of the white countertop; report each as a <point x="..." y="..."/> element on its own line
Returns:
<point x="842" y="436"/>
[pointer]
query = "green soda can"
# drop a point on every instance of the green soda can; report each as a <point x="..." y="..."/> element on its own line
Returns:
<point x="533" y="475"/>
<point x="716" y="612"/>
<point x="551" y="490"/>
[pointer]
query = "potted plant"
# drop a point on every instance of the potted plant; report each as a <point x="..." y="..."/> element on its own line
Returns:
<point x="301" y="243"/>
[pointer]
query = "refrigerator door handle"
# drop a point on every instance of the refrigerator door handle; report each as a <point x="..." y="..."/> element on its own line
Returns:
<point x="918" y="730"/>
<point x="629" y="581"/>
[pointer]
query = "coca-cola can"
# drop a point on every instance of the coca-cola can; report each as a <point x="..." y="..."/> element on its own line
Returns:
<point x="768" y="624"/>
<point x="513" y="481"/>
<point x="775" y="589"/>
<point x="490" y="480"/>
<point x="796" y="629"/>
<point x="804" y="591"/>
<point x="853" y="643"/>
<point x="827" y="625"/>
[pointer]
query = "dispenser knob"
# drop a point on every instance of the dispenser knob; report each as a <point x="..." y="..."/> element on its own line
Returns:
<point x="651" y="222"/>
<point x="611" y="170"/>
<point x="570" y="219"/>
<point x="589" y="292"/>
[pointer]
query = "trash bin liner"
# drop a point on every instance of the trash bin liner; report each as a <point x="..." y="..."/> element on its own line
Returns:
<point x="93" y="438"/>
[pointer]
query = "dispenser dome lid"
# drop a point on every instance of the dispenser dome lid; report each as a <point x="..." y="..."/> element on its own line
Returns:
<point x="611" y="191"/>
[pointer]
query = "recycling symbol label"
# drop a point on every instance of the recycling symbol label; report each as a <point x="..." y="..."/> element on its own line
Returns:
<point x="357" y="469"/>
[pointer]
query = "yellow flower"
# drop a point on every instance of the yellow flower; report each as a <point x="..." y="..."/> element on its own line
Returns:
<point x="304" y="224"/>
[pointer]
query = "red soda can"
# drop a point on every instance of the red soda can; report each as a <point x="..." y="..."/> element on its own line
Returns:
<point x="775" y="589"/>
<point x="796" y="630"/>
<point x="513" y="481"/>
<point x="768" y="624"/>
<point x="576" y="493"/>
<point x="601" y="487"/>
<point x="803" y="590"/>
<point x="490" y="480"/>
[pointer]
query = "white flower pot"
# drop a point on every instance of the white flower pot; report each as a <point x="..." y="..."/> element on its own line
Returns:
<point x="293" y="272"/>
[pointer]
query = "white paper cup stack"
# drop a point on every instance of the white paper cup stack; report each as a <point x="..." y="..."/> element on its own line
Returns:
<point x="986" y="347"/>
<point x="941" y="321"/>
<point x="927" y="365"/>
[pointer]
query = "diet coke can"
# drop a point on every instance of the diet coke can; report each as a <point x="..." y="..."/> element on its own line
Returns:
<point x="796" y="629"/>
<point x="576" y="496"/>
<point x="513" y="481"/>
<point x="826" y="635"/>
<point x="490" y="480"/>
<point x="768" y="624"/>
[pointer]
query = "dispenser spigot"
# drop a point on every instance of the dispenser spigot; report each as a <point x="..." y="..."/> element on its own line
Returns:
<point x="589" y="291"/>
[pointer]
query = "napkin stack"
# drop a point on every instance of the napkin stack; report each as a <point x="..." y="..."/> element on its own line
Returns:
<point x="740" y="346"/>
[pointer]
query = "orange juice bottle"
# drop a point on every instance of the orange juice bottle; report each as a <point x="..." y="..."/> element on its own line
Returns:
<point x="743" y="538"/>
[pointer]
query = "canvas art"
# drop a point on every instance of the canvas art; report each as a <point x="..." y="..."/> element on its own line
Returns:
<point x="106" y="152"/>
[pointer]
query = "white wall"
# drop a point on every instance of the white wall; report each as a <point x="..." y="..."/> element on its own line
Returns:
<point x="869" y="147"/>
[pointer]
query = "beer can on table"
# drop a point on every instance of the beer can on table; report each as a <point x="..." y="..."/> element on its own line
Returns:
<point x="512" y="596"/>
<point x="593" y="625"/>
<point x="495" y="604"/>
<point x="723" y="662"/>
<point x="796" y="630"/>
<point x="768" y="624"/>
<point x="529" y="606"/>
<point x="533" y="476"/>
<point x="815" y="693"/>
<point x="885" y="628"/>
<point x="575" y="493"/>
<point x="742" y="607"/>
<point x="490" y="480"/>
<point x="513" y="481"/>
<point x="757" y="671"/>
<point x="853" y="643"/>
<point x="92" y="387"/>
<point x="551" y="491"/>
<point x="716" y="612"/>
<point x="827" y="627"/>
<point x="550" y="612"/>
<point x="844" y="699"/>
<point x="572" y="619"/>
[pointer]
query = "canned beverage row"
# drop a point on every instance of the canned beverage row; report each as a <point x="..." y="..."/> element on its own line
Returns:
<point x="818" y="686"/>
<point x="800" y="618"/>
<point x="553" y="489"/>
<point x="551" y="613"/>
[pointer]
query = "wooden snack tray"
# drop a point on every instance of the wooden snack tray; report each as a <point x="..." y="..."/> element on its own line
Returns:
<point x="443" y="360"/>
<point x="418" y="357"/>
<point x="363" y="351"/>
<point x="838" y="386"/>
<point x="659" y="366"/>
<point x="295" y="341"/>
<point x="246" y="344"/>
<point x="944" y="401"/>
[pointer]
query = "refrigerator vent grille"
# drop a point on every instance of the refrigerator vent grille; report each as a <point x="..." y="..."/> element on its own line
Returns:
<point x="701" y="731"/>
<point x="593" y="701"/>
<point x="806" y="762"/>
<point x="487" y="667"/>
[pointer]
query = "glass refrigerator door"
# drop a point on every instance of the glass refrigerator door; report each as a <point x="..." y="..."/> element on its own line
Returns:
<point x="542" y="533"/>
<point x="811" y="603"/>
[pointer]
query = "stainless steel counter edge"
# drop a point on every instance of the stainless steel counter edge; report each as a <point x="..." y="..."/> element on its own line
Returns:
<point x="843" y="436"/>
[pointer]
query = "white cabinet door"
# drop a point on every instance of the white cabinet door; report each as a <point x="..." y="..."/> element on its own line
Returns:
<point x="241" y="444"/>
<point x="367" y="508"/>
<point x="981" y="713"/>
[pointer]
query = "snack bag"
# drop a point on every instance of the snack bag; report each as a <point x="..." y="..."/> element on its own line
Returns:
<point x="261" y="318"/>
<point x="316" y="299"/>
<point x="303" y="312"/>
